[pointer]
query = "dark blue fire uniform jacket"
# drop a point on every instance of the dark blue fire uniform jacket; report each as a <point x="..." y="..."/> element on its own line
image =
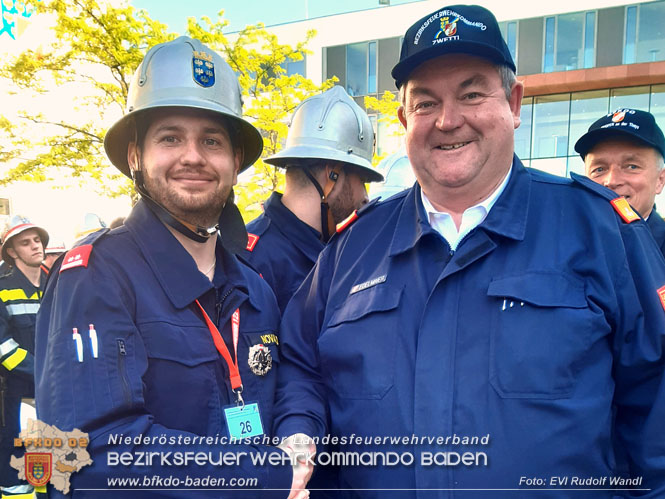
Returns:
<point x="282" y="248"/>
<point x="540" y="339"/>
<point x="657" y="226"/>
<point x="157" y="373"/>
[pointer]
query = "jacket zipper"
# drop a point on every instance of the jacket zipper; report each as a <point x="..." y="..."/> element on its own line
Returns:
<point x="122" y="351"/>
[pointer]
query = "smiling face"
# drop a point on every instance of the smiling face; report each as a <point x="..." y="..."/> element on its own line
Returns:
<point x="628" y="167"/>
<point x="459" y="128"/>
<point x="189" y="163"/>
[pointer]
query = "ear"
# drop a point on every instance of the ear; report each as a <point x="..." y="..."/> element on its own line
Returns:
<point x="133" y="156"/>
<point x="660" y="181"/>
<point x="12" y="252"/>
<point x="515" y="102"/>
<point x="401" y="116"/>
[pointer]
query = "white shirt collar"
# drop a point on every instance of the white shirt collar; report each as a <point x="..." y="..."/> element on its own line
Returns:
<point x="472" y="217"/>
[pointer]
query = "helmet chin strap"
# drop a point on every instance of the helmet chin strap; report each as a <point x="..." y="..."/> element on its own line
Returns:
<point x="194" y="232"/>
<point x="328" y="225"/>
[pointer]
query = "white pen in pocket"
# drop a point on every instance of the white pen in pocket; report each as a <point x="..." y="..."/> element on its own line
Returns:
<point x="94" y="345"/>
<point x="79" y="344"/>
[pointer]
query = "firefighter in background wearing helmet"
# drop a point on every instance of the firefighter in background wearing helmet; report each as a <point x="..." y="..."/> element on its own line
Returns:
<point x="185" y="335"/>
<point x="52" y="252"/>
<point x="327" y="158"/>
<point x="20" y="295"/>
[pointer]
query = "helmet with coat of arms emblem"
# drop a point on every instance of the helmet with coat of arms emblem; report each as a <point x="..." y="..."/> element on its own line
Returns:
<point x="183" y="73"/>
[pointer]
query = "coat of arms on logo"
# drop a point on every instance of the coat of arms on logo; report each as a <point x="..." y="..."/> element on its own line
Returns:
<point x="203" y="69"/>
<point x="38" y="468"/>
<point x="448" y="28"/>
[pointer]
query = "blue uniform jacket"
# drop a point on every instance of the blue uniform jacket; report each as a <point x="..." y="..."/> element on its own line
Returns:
<point x="544" y="333"/>
<point x="657" y="226"/>
<point x="158" y="372"/>
<point x="286" y="248"/>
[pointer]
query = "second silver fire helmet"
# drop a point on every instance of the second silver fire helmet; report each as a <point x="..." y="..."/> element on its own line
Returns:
<point x="330" y="126"/>
<point x="182" y="73"/>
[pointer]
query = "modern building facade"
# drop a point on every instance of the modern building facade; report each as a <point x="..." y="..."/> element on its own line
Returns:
<point x="578" y="60"/>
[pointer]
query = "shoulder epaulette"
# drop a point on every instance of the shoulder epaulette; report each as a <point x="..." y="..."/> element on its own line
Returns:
<point x="252" y="239"/>
<point x="619" y="203"/>
<point x="342" y="226"/>
<point x="80" y="254"/>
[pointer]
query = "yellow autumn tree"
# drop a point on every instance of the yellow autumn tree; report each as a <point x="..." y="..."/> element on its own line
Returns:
<point x="96" y="49"/>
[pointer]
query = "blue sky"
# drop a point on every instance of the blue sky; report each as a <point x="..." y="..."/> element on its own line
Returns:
<point x="242" y="12"/>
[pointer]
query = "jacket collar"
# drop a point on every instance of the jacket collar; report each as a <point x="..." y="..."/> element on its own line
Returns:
<point x="507" y="217"/>
<point x="304" y="237"/>
<point x="173" y="266"/>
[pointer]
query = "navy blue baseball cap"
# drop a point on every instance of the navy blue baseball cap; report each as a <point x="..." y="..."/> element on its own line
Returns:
<point x="626" y="123"/>
<point x="465" y="29"/>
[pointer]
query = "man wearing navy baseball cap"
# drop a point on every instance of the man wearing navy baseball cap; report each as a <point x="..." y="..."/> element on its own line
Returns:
<point x="502" y="326"/>
<point x="624" y="151"/>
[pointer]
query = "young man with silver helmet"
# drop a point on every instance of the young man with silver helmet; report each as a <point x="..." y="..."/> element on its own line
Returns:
<point x="185" y="335"/>
<point x="327" y="159"/>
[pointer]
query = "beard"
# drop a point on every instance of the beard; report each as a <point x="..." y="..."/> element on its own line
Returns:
<point x="196" y="208"/>
<point x="343" y="204"/>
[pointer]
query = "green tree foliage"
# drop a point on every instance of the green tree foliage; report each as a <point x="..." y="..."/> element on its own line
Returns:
<point x="99" y="46"/>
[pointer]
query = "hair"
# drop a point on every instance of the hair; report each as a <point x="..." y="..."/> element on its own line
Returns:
<point x="507" y="75"/>
<point x="295" y="174"/>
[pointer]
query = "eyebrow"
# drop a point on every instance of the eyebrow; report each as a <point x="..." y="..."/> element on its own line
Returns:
<point x="177" y="128"/>
<point x="476" y="79"/>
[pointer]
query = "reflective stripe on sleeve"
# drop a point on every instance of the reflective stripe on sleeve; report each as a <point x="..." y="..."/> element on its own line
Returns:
<point x="7" y="346"/>
<point x="15" y="359"/>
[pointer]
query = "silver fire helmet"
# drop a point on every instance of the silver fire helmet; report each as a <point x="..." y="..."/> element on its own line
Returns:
<point x="330" y="126"/>
<point x="182" y="73"/>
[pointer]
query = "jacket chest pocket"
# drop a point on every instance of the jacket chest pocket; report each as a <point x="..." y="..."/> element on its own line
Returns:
<point x="182" y="382"/>
<point x="358" y="343"/>
<point x="539" y="334"/>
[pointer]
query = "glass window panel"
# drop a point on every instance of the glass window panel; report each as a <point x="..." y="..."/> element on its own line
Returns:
<point x="523" y="133"/>
<point x="590" y="40"/>
<point x="548" y="60"/>
<point x="389" y="136"/>
<point x="371" y="75"/>
<point x="294" y="67"/>
<point x="576" y="165"/>
<point x="356" y="68"/>
<point x="509" y="33"/>
<point x="633" y="97"/>
<point x="569" y="54"/>
<point x="631" y="28"/>
<point x="555" y="166"/>
<point x="550" y="126"/>
<point x="651" y="32"/>
<point x="658" y="105"/>
<point x="585" y="108"/>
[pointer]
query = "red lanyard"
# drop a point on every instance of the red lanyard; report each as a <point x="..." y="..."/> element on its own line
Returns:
<point x="236" y="382"/>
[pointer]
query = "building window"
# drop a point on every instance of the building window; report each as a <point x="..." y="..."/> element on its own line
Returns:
<point x="509" y="34"/>
<point x="570" y="41"/>
<point x="633" y="97"/>
<point x="294" y="67"/>
<point x="361" y="68"/>
<point x="550" y="126"/>
<point x="645" y="33"/>
<point x="585" y="108"/>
